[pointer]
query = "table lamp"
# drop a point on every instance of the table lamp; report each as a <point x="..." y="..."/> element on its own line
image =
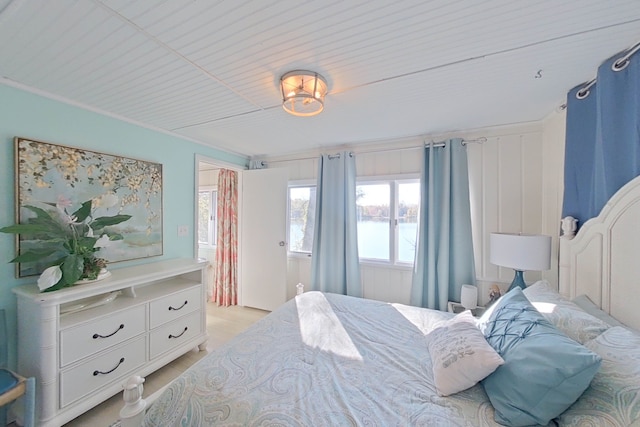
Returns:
<point x="520" y="252"/>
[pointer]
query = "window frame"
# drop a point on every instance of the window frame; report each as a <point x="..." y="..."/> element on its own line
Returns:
<point x="394" y="182"/>
<point x="294" y="184"/>
<point x="213" y="217"/>
<point x="394" y="235"/>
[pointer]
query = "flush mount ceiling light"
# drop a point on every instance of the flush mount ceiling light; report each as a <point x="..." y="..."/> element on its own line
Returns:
<point x="303" y="92"/>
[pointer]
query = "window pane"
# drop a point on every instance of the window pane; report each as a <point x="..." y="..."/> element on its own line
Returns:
<point x="204" y="205"/>
<point x="302" y="213"/>
<point x="408" y="205"/>
<point x="373" y="220"/>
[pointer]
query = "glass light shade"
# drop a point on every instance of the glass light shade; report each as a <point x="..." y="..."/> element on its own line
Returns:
<point x="303" y="92"/>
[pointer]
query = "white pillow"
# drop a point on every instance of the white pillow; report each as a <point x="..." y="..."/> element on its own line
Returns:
<point x="574" y="322"/>
<point x="460" y="355"/>
<point x="612" y="398"/>
<point x="587" y="305"/>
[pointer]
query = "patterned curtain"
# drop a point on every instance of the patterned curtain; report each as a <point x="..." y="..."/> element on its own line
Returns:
<point x="225" y="291"/>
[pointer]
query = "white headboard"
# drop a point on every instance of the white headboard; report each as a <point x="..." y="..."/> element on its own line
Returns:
<point x="603" y="259"/>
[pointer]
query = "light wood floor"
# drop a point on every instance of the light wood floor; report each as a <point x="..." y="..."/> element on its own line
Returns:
<point x="223" y="323"/>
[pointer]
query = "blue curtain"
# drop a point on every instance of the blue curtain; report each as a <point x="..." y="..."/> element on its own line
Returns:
<point x="335" y="266"/>
<point x="444" y="258"/>
<point x="602" y="151"/>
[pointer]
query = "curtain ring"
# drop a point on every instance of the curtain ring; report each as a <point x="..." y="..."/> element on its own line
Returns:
<point x="585" y="91"/>
<point x="620" y="64"/>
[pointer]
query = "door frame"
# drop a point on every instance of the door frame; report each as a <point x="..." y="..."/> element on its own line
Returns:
<point x="199" y="158"/>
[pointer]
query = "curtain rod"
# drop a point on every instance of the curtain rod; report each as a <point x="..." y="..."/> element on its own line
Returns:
<point x="437" y="144"/>
<point x="617" y="65"/>
<point x="385" y="150"/>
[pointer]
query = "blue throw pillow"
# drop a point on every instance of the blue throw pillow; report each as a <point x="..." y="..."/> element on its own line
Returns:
<point x="544" y="371"/>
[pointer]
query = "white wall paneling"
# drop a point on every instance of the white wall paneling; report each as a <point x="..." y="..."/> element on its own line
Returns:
<point x="506" y="186"/>
<point x="387" y="284"/>
<point x="380" y="283"/>
<point x="515" y="180"/>
<point x="554" y="128"/>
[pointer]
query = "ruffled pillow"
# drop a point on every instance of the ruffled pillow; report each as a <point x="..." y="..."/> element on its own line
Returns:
<point x="587" y="305"/>
<point x="574" y="322"/>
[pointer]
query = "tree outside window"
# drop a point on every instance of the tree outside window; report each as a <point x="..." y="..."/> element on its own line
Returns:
<point x="207" y="220"/>
<point x="387" y="214"/>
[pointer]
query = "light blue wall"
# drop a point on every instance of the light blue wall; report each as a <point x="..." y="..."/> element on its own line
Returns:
<point x="31" y="116"/>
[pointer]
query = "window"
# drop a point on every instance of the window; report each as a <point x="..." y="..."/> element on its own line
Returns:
<point x="387" y="219"/>
<point x="374" y="221"/>
<point x="302" y="212"/>
<point x="407" y="218"/>
<point x="207" y="219"/>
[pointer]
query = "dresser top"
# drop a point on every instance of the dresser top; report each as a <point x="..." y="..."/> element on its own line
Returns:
<point x="120" y="278"/>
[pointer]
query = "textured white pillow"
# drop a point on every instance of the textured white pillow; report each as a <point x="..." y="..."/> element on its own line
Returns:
<point x="460" y="355"/>
<point x="573" y="321"/>
<point x="587" y="305"/>
<point x="612" y="398"/>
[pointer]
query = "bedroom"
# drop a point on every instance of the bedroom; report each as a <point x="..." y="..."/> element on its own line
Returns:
<point x="528" y="190"/>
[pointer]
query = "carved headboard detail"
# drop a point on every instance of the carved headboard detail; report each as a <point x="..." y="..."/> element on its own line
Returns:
<point x="603" y="259"/>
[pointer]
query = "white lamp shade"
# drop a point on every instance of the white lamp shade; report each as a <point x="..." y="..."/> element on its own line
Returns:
<point x="520" y="251"/>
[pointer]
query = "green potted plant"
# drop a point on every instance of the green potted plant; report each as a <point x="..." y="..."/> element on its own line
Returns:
<point x="69" y="242"/>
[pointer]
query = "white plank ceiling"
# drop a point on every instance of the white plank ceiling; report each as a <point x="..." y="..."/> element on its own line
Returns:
<point x="209" y="70"/>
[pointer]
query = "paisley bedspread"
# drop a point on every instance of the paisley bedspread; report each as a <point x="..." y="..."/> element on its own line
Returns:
<point x="322" y="360"/>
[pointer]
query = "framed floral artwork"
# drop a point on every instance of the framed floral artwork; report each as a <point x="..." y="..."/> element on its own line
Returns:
<point x="110" y="201"/>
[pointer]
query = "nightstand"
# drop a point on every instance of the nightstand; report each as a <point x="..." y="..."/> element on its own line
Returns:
<point x="456" y="307"/>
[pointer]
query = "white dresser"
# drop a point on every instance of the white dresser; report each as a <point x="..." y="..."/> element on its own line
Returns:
<point x="82" y="358"/>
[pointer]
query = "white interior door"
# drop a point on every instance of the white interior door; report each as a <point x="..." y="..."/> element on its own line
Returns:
<point x="264" y="249"/>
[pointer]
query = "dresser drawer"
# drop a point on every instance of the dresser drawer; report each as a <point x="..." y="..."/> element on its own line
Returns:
<point x="173" y="334"/>
<point x="86" y="339"/>
<point x="175" y="305"/>
<point x="92" y="375"/>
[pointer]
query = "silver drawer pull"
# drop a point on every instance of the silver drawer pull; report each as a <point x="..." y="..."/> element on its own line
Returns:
<point x="96" y="373"/>
<point x="96" y="336"/>
<point x="178" y="336"/>
<point x="173" y="308"/>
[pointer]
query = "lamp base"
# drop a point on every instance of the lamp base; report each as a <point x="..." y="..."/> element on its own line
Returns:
<point x="518" y="281"/>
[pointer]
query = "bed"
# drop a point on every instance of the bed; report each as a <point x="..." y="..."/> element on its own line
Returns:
<point x="327" y="360"/>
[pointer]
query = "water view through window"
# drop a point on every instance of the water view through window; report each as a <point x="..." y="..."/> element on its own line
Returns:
<point x="387" y="220"/>
<point x="408" y="210"/>
<point x="374" y="220"/>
